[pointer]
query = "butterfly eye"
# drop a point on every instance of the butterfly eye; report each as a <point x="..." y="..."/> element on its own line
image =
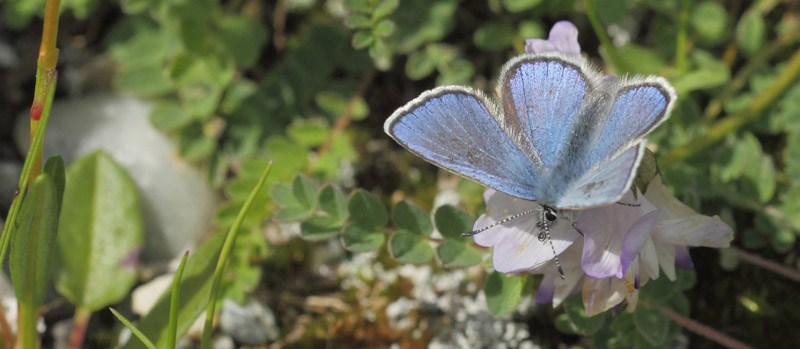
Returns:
<point x="550" y="214"/>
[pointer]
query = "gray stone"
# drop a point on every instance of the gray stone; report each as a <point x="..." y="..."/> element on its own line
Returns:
<point x="252" y="323"/>
<point x="178" y="202"/>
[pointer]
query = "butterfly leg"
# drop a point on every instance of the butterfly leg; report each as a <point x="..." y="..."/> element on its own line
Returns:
<point x="627" y="204"/>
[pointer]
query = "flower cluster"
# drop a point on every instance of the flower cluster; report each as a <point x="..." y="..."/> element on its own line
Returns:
<point x="607" y="253"/>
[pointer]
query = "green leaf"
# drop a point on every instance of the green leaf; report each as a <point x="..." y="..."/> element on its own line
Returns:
<point x="494" y="36"/>
<point x="242" y="38"/>
<point x="362" y="39"/>
<point x="520" y="5"/>
<point x="408" y="216"/>
<point x="283" y="196"/>
<point x="452" y="221"/>
<point x="169" y="116"/>
<point x="310" y="133"/>
<point x="334" y="103"/>
<point x="320" y="228"/>
<point x="366" y="210"/>
<point x="612" y="11"/>
<point x="33" y="239"/>
<point x="419" y="65"/>
<point x="333" y="202"/>
<point x="384" y="28"/>
<point x="750" y="32"/>
<point x="194" y="290"/>
<point x="641" y="60"/>
<point x="358" y="21"/>
<point x="658" y="290"/>
<point x="709" y="20"/>
<point x="745" y="151"/>
<point x="304" y="192"/>
<point x="357" y="239"/>
<point x="146" y="80"/>
<point x="584" y="325"/>
<point x="236" y="94"/>
<point x="100" y="233"/>
<point x="194" y="144"/>
<point x="652" y="325"/>
<point x="457" y="254"/>
<point x="505" y="292"/>
<point x="759" y="178"/>
<point x="408" y="247"/>
<point x="384" y="8"/>
<point x="530" y="29"/>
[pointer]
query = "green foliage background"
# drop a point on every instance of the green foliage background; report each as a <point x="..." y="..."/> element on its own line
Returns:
<point x="308" y="84"/>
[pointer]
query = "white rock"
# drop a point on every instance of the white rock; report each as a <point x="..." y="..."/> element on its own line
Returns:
<point x="145" y="296"/>
<point x="252" y="323"/>
<point x="177" y="200"/>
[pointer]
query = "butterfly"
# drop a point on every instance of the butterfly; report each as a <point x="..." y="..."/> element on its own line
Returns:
<point x="558" y="133"/>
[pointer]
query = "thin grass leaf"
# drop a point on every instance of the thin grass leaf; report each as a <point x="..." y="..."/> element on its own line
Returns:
<point x="230" y="239"/>
<point x="173" y="304"/>
<point x="133" y="329"/>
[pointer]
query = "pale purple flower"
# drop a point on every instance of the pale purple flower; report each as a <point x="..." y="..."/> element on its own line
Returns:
<point x="563" y="38"/>
<point x="623" y="245"/>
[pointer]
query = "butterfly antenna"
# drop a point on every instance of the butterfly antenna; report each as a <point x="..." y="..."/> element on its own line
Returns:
<point x="558" y="264"/>
<point x="504" y="220"/>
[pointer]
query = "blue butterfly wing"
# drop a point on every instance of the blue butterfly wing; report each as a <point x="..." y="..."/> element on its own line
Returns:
<point x="610" y="147"/>
<point x="584" y="133"/>
<point x="637" y="109"/>
<point x="605" y="184"/>
<point x="542" y="97"/>
<point x="455" y="128"/>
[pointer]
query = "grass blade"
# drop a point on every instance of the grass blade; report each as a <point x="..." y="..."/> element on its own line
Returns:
<point x="173" y="304"/>
<point x="230" y="239"/>
<point x="133" y="329"/>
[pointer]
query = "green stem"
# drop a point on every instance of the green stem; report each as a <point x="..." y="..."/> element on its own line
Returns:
<point x="613" y="55"/>
<point x="785" y="79"/>
<point x="683" y="38"/>
<point x="27" y="170"/>
<point x="79" y="323"/>
<point x="44" y="90"/>
<point x="715" y="107"/>
<point x="227" y="246"/>
<point x="172" y="332"/>
<point x="28" y="337"/>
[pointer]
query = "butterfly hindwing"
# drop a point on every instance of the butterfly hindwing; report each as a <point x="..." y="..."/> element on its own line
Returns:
<point x="455" y="128"/>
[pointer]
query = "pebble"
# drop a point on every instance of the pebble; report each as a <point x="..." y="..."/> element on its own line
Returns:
<point x="178" y="202"/>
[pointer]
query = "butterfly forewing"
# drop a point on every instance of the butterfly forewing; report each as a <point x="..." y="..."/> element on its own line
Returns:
<point x="541" y="99"/>
<point x="454" y="128"/>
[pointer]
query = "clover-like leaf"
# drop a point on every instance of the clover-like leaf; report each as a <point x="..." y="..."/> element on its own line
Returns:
<point x="358" y="239"/>
<point x="320" y="228"/>
<point x="505" y="292"/>
<point x="410" y="248"/>
<point x="652" y="324"/>
<point x="333" y="202"/>
<point x="584" y="324"/>
<point x="452" y="221"/>
<point x="453" y="253"/>
<point x="366" y="210"/>
<point x="408" y="216"/>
